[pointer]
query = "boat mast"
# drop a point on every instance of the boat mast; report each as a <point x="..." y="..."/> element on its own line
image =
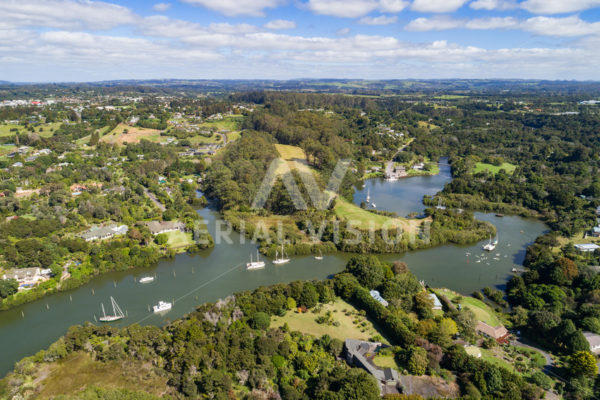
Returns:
<point x="103" y="312"/>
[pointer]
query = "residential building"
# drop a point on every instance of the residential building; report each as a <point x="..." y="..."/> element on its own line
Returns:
<point x="361" y="354"/>
<point x="437" y="304"/>
<point x="587" y="247"/>
<point x="377" y="296"/>
<point x="158" y="227"/>
<point x="499" y="332"/>
<point x="594" y="340"/>
<point x="104" y="232"/>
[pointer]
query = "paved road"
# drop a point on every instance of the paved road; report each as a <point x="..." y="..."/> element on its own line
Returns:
<point x="522" y="342"/>
<point x="152" y="197"/>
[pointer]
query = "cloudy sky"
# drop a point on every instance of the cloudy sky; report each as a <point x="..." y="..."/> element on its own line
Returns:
<point x="84" y="40"/>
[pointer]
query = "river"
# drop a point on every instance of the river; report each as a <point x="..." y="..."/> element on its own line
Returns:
<point x="216" y="273"/>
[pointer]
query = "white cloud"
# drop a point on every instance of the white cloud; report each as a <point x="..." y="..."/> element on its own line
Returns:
<point x="161" y="7"/>
<point x="493" y="5"/>
<point x="558" y="6"/>
<point x="567" y="27"/>
<point x="381" y="20"/>
<point x="280" y="24"/>
<point x="343" y="31"/>
<point x="354" y="8"/>
<point x="445" y="23"/>
<point x="546" y="26"/>
<point x="253" y="8"/>
<point x="437" y="6"/>
<point x="65" y="14"/>
<point x="392" y="6"/>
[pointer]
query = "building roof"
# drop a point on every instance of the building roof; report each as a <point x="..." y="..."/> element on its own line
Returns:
<point x="21" y="273"/>
<point x="497" y="332"/>
<point x="587" y="247"/>
<point x="359" y="350"/>
<point x="437" y="304"/>
<point x="377" y="296"/>
<point x="104" y="231"/>
<point x="593" y="339"/>
<point x="156" y="227"/>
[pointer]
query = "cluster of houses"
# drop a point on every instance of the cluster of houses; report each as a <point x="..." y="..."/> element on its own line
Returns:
<point x="386" y="130"/>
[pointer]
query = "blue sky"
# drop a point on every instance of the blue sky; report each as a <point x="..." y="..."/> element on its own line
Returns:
<point x="84" y="40"/>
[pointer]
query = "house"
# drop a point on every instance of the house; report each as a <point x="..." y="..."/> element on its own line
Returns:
<point x="594" y="340"/>
<point x="104" y="232"/>
<point x="361" y="354"/>
<point x="596" y="231"/>
<point x="587" y="247"/>
<point x="437" y="304"/>
<point x="158" y="227"/>
<point x="26" y="277"/>
<point x="499" y="332"/>
<point x="375" y="294"/>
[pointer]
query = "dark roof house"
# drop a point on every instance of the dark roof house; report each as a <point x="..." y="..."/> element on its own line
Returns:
<point x="360" y="354"/>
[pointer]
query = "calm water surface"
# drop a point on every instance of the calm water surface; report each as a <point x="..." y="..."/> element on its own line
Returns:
<point x="190" y="280"/>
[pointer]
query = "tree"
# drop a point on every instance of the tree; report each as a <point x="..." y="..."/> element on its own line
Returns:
<point x="583" y="363"/>
<point x="309" y="296"/>
<point x="291" y="303"/>
<point x="417" y="362"/>
<point x="161" y="239"/>
<point x="8" y="287"/>
<point x="448" y="327"/>
<point x="260" y="320"/>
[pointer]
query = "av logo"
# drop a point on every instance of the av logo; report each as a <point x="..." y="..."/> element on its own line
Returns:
<point x="320" y="200"/>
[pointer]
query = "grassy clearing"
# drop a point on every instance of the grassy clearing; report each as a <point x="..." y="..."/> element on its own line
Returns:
<point x="491" y="357"/>
<point x="386" y="362"/>
<point x="424" y="124"/>
<point x="351" y="323"/>
<point x="199" y="139"/>
<point x="494" y="169"/>
<point x="294" y="156"/>
<point x="482" y="311"/>
<point x="178" y="239"/>
<point x="79" y="371"/>
<point x="133" y="135"/>
<point x="47" y="129"/>
<point x="364" y="219"/>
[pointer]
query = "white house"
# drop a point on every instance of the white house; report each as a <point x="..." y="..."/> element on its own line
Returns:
<point x="594" y="341"/>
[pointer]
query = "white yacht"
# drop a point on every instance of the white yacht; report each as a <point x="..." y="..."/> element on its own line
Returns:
<point x="368" y="195"/>
<point x="491" y="246"/>
<point x="320" y="256"/>
<point x="255" y="264"/>
<point x="117" y="313"/>
<point x="281" y="260"/>
<point x="147" y="279"/>
<point x="162" y="306"/>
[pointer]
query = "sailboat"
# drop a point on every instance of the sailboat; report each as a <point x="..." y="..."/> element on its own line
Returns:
<point x="374" y="205"/>
<point x="255" y="264"/>
<point x="368" y="195"/>
<point x="491" y="246"/>
<point x="280" y="260"/>
<point x="320" y="256"/>
<point x="117" y="313"/>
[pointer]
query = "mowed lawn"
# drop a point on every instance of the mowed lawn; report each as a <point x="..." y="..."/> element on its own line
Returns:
<point x="482" y="311"/>
<point x="178" y="239"/>
<point x="305" y="322"/>
<point x="364" y="219"/>
<point x="494" y="169"/>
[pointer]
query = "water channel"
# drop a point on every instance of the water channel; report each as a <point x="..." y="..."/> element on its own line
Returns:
<point x="190" y="280"/>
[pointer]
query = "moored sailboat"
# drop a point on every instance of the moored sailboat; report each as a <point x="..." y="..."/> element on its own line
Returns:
<point x="117" y="313"/>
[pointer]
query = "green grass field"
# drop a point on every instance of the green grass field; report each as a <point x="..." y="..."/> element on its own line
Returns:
<point x="482" y="311"/>
<point x="47" y="129"/>
<point x="488" y="355"/>
<point x="305" y="322"/>
<point x="178" y="239"/>
<point x="364" y="219"/>
<point x="508" y="167"/>
<point x="386" y="362"/>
